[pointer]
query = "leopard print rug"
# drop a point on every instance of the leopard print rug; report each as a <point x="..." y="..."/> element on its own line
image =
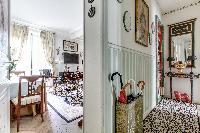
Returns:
<point x="171" y="116"/>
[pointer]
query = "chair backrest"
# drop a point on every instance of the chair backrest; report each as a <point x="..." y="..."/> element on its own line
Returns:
<point x="35" y="83"/>
<point x="79" y="75"/>
<point x="18" y="73"/>
<point x="69" y="75"/>
<point x="47" y="73"/>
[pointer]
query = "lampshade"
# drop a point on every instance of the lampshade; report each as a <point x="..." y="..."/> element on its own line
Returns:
<point x="170" y="59"/>
<point x="191" y="58"/>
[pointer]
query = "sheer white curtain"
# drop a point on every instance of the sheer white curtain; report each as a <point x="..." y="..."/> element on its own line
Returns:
<point x="27" y="48"/>
<point x="38" y="55"/>
<point x="25" y="62"/>
<point x="19" y="38"/>
<point x="48" y="44"/>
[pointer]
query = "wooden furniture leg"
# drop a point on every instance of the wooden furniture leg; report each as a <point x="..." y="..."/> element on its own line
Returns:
<point x="41" y="109"/>
<point x="18" y="117"/>
<point x="45" y="97"/>
<point x="80" y="123"/>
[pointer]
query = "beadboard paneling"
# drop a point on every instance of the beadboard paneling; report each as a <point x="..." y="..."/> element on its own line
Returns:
<point x="132" y="65"/>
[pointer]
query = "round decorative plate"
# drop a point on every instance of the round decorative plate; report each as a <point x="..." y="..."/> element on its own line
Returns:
<point x="127" y="21"/>
<point x="90" y="1"/>
<point x="120" y="1"/>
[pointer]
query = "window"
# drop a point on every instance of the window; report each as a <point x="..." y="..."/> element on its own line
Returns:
<point x="32" y="58"/>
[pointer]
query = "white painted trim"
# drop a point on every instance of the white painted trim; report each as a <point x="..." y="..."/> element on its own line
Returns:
<point x="145" y="114"/>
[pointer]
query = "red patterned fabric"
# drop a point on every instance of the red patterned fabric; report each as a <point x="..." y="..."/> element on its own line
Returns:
<point x="122" y="96"/>
<point x="182" y="97"/>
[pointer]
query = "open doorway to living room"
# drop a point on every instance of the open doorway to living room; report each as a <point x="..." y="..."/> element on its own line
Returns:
<point x="46" y="39"/>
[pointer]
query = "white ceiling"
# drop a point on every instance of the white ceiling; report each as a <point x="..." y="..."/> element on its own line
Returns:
<point x="168" y="5"/>
<point x="61" y="15"/>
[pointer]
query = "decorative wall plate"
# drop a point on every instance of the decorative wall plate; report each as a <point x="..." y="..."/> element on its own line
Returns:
<point x="90" y="1"/>
<point x="127" y="21"/>
<point x="120" y="1"/>
<point x="91" y="11"/>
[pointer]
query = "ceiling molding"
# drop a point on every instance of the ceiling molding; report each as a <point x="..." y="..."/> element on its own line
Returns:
<point x="182" y="8"/>
<point x="30" y="24"/>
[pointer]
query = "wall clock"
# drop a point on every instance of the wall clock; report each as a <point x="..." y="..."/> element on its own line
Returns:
<point x="127" y="21"/>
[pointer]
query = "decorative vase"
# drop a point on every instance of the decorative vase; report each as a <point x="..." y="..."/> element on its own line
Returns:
<point x="179" y="65"/>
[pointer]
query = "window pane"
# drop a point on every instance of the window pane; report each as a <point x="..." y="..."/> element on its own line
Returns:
<point x="23" y="64"/>
<point x="38" y="58"/>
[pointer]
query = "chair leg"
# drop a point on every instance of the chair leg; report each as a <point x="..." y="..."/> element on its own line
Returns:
<point x="41" y="111"/>
<point x="18" y="118"/>
<point x="34" y="110"/>
<point x="12" y="111"/>
<point x="42" y="117"/>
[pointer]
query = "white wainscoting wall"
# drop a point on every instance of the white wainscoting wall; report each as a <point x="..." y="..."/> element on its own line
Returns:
<point x="132" y="65"/>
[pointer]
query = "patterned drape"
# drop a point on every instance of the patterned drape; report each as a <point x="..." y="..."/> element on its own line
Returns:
<point x="19" y="37"/>
<point x="48" y="44"/>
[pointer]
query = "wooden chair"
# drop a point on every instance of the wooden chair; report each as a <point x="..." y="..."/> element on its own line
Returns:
<point x="35" y="95"/>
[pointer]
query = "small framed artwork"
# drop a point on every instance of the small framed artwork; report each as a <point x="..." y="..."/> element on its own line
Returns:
<point x="70" y="46"/>
<point x="150" y="38"/>
<point x="141" y="22"/>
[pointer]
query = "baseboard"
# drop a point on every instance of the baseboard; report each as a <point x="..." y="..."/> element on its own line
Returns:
<point x="147" y="112"/>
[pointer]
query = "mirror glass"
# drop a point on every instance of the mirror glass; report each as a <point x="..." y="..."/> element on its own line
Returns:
<point x="181" y="47"/>
<point x="181" y="42"/>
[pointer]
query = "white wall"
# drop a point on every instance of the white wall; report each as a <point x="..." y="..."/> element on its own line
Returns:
<point x="183" y="85"/>
<point x="116" y="32"/>
<point x="96" y="41"/>
<point x="93" y="69"/>
<point x="59" y="59"/>
<point x="118" y="36"/>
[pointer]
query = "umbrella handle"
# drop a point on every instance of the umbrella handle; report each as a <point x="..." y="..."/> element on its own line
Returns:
<point x="117" y="73"/>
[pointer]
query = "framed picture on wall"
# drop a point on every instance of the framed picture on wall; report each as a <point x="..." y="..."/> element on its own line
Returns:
<point x="141" y="22"/>
<point x="70" y="46"/>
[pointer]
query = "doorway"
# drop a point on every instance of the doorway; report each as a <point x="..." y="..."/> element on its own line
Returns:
<point x="46" y="38"/>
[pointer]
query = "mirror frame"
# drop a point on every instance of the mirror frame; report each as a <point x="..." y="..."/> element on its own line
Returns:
<point x="181" y="28"/>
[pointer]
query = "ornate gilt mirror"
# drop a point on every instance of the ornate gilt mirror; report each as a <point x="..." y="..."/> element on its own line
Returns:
<point x="181" y="42"/>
